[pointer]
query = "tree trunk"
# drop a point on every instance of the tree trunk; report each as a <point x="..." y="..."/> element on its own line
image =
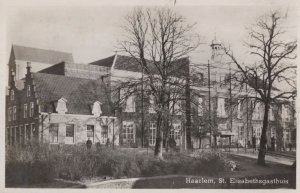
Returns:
<point x="159" y="138"/>
<point x="263" y="138"/>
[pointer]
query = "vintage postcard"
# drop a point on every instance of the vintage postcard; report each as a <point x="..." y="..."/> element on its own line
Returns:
<point x="166" y="94"/>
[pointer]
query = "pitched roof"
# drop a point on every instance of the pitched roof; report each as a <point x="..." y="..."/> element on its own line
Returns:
<point x="177" y="68"/>
<point x="58" y="69"/>
<point x="80" y="93"/>
<point x="107" y="62"/>
<point x="40" y="55"/>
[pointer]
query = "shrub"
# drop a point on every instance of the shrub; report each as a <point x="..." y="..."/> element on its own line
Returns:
<point x="42" y="163"/>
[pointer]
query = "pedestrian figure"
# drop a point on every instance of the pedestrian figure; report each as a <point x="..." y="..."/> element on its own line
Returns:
<point x="89" y="144"/>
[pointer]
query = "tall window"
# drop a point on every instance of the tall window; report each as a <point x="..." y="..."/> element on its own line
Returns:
<point x="28" y="90"/>
<point x="9" y="112"/>
<point x="177" y="107"/>
<point x="151" y="104"/>
<point x="255" y="115"/>
<point x="27" y="132"/>
<point x="53" y="131"/>
<point x="8" y="135"/>
<point x="271" y="113"/>
<point x="23" y="133"/>
<point x="12" y="95"/>
<point x="25" y="111"/>
<point x="258" y="132"/>
<point x="70" y="131"/>
<point x="31" y="109"/>
<point x="130" y="104"/>
<point x="241" y="132"/>
<point x="239" y="110"/>
<point x="33" y="131"/>
<point x="200" y="106"/>
<point x="152" y="137"/>
<point x="286" y="112"/>
<point x="90" y="129"/>
<point x="14" y="113"/>
<point x="128" y="132"/>
<point x="18" y="135"/>
<point x="175" y="133"/>
<point x="221" y="107"/>
<point x="104" y="133"/>
<point x="13" y="135"/>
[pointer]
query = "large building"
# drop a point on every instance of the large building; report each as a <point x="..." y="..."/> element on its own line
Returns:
<point x="54" y="100"/>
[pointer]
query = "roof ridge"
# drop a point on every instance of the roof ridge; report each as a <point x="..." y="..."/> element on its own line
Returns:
<point x="69" y="77"/>
<point x="16" y="45"/>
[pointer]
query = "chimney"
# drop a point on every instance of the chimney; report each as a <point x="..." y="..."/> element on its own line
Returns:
<point x="28" y="67"/>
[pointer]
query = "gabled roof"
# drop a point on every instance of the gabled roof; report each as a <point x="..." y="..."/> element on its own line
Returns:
<point x="40" y="55"/>
<point x="107" y="62"/>
<point x="80" y="93"/>
<point x="179" y="67"/>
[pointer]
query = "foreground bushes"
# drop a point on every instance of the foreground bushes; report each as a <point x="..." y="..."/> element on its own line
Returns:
<point x="43" y="163"/>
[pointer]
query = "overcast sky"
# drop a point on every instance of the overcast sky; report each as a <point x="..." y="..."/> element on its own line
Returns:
<point x="92" y="32"/>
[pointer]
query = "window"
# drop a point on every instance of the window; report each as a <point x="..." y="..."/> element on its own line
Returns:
<point x="33" y="131"/>
<point x="152" y="137"/>
<point x="22" y="134"/>
<point x="128" y="132"/>
<point x="151" y="104"/>
<point x="239" y="110"/>
<point x="13" y="135"/>
<point x="286" y="112"/>
<point x="175" y="133"/>
<point x="31" y="109"/>
<point x="25" y="110"/>
<point x="14" y="113"/>
<point x="256" y="113"/>
<point x="27" y="132"/>
<point x="258" y="132"/>
<point x="271" y="114"/>
<point x="104" y="133"/>
<point x="200" y="106"/>
<point x="90" y="132"/>
<point x="28" y="90"/>
<point x="53" y="131"/>
<point x="18" y="135"/>
<point x="177" y="107"/>
<point x="240" y="132"/>
<point x="9" y="112"/>
<point x="221" y="107"/>
<point x="69" y="134"/>
<point x="8" y="135"/>
<point x="12" y="95"/>
<point x="130" y="104"/>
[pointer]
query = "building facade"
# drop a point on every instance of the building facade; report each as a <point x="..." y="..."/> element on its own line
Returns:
<point x="68" y="103"/>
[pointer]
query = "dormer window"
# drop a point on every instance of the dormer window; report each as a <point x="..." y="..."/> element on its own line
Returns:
<point x="28" y="90"/>
<point x="12" y="95"/>
<point x="96" y="111"/>
<point x="130" y="104"/>
<point x="61" y="106"/>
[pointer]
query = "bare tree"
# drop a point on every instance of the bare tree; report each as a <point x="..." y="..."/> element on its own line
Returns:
<point x="272" y="67"/>
<point x="158" y="40"/>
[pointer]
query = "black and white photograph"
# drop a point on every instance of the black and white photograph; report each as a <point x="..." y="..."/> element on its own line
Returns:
<point x="131" y="94"/>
